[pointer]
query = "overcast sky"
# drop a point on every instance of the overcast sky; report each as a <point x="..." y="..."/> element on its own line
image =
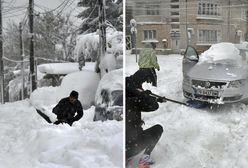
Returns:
<point x="14" y="10"/>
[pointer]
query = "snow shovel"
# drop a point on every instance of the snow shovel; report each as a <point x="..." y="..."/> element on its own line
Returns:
<point x="44" y="116"/>
<point x="190" y="103"/>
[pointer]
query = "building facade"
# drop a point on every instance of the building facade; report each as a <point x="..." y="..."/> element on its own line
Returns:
<point x="174" y="24"/>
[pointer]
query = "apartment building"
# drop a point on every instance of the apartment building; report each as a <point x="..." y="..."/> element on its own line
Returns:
<point x="174" y="24"/>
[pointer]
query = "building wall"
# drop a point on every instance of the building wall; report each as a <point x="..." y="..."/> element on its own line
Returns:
<point x="207" y="22"/>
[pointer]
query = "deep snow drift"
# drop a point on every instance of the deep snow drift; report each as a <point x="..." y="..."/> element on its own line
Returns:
<point x="215" y="137"/>
<point x="27" y="141"/>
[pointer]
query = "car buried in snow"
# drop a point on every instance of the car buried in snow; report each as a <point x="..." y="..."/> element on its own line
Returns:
<point x="219" y="75"/>
<point x="109" y="97"/>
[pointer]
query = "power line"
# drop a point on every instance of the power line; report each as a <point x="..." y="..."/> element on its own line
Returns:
<point x="50" y="10"/>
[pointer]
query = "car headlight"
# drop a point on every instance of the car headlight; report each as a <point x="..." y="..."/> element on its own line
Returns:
<point x="236" y="83"/>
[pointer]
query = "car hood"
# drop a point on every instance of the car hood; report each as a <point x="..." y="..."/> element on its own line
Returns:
<point x="218" y="72"/>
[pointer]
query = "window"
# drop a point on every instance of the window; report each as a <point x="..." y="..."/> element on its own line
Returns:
<point x="244" y="14"/>
<point x="206" y="8"/>
<point x="174" y="13"/>
<point x="212" y="9"/>
<point x="152" y="9"/>
<point x="174" y="0"/>
<point x="149" y="34"/>
<point x="207" y="36"/>
<point x="175" y="6"/>
<point x="175" y="26"/>
<point x="199" y="8"/>
<point x="174" y="19"/>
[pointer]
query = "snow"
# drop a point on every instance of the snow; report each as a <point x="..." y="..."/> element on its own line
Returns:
<point x="63" y="68"/>
<point x="150" y="41"/>
<point x="84" y="82"/>
<point x="213" y="137"/>
<point x="111" y="81"/>
<point x="222" y="51"/>
<point x="87" y="47"/>
<point x="28" y="141"/>
<point x="232" y="74"/>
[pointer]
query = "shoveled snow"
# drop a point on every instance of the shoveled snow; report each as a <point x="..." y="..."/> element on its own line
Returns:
<point x="214" y="137"/>
<point x="28" y="141"/>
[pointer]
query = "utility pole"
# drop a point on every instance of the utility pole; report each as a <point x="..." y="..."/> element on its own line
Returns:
<point x="22" y="58"/>
<point x="187" y="36"/>
<point x="133" y="30"/>
<point x="228" y="21"/>
<point x="1" y="55"/>
<point x="102" y="29"/>
<point x="31" y="58"/>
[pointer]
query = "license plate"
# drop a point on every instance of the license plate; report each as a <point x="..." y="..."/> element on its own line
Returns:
<point x="207" y="92"/>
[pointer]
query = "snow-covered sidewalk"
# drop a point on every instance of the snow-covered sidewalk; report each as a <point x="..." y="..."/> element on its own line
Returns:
<point x="27" y="141"/>
<point x="214" y="137"/>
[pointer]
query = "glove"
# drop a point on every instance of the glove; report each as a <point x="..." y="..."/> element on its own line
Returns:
<point x="161" y="99"/>
<point x="142" y="122"/>
<point x="147" y="92"/>
<point x="57" y="122"/>
<point x="70" y="121"/>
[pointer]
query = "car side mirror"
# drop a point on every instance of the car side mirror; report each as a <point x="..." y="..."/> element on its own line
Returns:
<point x="191" y="54"/>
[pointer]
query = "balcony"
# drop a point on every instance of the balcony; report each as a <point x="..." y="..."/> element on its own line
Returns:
<point x="149" y="18"/>
<point x="209" y="17"/>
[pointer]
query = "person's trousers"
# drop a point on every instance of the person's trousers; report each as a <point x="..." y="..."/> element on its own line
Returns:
<point x="155" y="79"/>
<point x="147" y="140"/>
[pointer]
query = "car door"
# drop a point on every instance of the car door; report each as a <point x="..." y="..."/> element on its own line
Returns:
<point x="190" y="58"/>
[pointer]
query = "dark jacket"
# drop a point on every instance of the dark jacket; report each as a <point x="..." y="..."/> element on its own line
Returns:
<point x="66" y="111"/>
<point x="137" y="101"/>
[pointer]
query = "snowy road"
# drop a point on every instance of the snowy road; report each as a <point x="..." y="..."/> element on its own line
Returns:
<point x="27" y="141"/>
<point x="214" y="137"/>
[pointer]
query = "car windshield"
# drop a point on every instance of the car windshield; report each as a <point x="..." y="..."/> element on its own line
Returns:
<point x="117" y="97"/>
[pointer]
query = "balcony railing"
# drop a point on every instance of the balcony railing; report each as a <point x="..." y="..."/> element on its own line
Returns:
<point x="209" y="17"/>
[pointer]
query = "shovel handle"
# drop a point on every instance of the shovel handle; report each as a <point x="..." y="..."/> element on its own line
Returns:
<point x="167" y="99"/>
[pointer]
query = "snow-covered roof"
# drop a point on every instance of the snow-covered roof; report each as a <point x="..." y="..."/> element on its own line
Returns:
<point x="150" y="41"/>
<point x="58" y="68"/>
<point x="63" y="68"/>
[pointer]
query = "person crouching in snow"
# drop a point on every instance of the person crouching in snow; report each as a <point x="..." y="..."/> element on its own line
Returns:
<point x="67" y="108"/>
<point x="139" y="100"/>
<point x="148" y="60"/>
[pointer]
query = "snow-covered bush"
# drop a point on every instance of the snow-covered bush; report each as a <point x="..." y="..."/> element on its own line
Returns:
<point x="87" y="49"/>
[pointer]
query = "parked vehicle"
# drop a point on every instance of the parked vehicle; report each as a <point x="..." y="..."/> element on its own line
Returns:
<point x="109" y="97"/>
<point x="219" y="75"/>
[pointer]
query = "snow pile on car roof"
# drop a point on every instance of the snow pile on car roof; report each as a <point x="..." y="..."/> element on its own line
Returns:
<point x="222" y="51"/>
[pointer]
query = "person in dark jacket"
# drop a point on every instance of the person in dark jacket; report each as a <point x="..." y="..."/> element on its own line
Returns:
<point x="67" y="108"/>
<point x="139" y="100"/>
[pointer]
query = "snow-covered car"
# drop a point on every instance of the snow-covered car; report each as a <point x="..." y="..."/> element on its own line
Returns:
<point x="219" y="75"/>
<point x="109" y="97"/>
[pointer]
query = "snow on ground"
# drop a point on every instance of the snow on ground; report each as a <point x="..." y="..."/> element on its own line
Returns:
<point x="27" y="141"/>
<point x="215" y="137"/>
